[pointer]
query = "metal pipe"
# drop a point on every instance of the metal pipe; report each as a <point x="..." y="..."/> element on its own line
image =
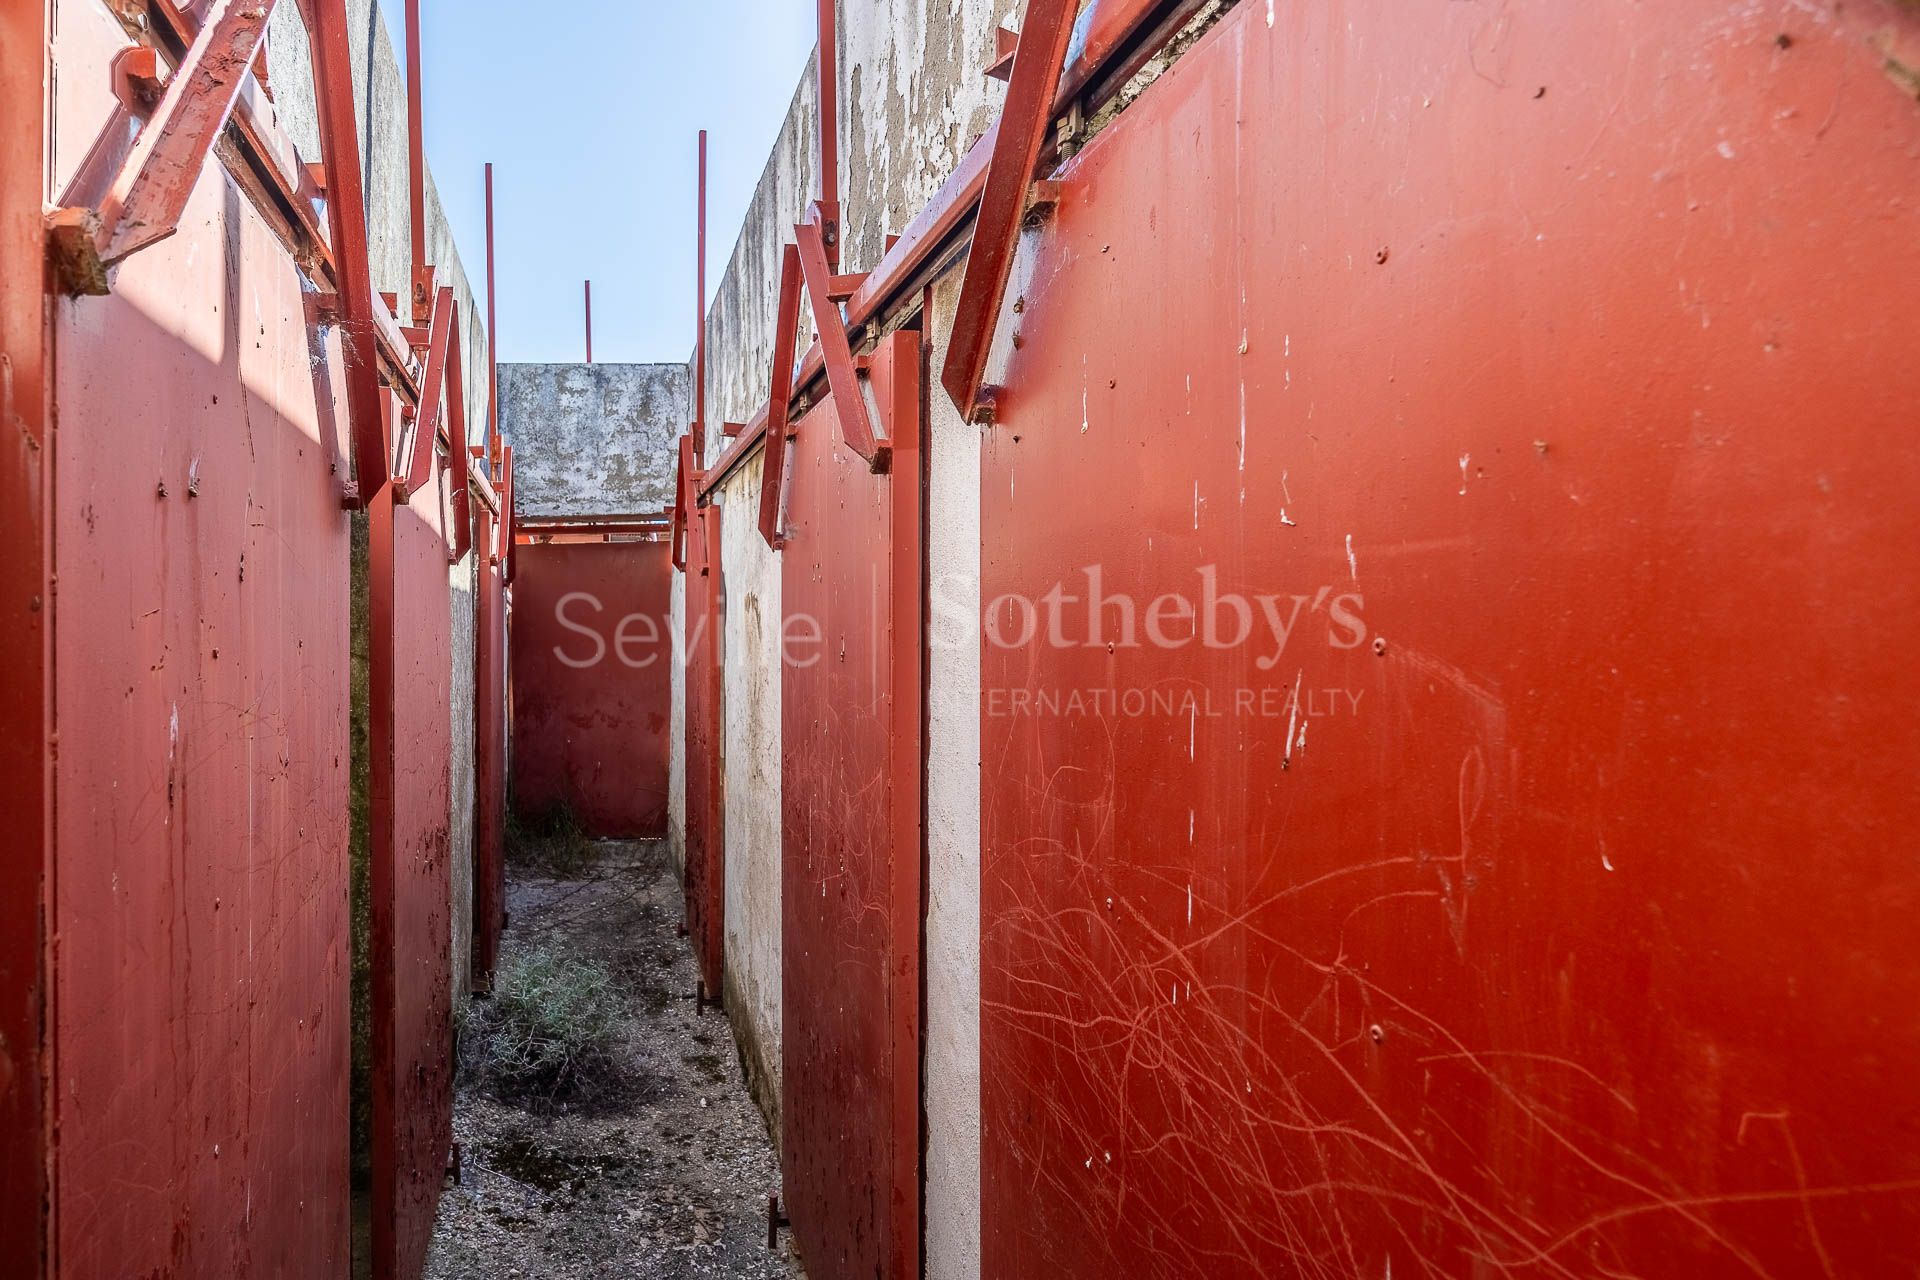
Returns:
<point x="700" y="344"/>
<point x="828" y="63"/>
<point x="589" y="322"/>
<point x="493" y="346"/>
<point x="417" y="168"/>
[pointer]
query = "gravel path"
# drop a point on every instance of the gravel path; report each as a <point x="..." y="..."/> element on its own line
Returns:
<point x="664" y="1174"/>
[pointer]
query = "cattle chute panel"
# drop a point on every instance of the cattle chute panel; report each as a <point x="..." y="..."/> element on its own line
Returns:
<point x="411" y="884"/>
<point x="851" y="790"/>
<point x="1521" y="885"/>
<point x="705" y="881"/>
<point x="592" y="683"/>
<point x="200" y="1002"/>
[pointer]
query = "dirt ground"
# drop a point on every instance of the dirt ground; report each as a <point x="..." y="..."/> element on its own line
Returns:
<point x="662" y="1173"/>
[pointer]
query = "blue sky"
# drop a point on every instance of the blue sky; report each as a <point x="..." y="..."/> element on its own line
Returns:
<point x="589" y="111"/>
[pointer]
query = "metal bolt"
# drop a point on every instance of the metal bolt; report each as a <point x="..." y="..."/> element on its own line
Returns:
<point x="1382" y="255"/>
<point x="1377" y="1033"/>
<point x="1380" y="645"/>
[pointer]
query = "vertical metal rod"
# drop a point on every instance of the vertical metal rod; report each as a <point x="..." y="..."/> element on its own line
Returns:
<point x="589" y="322"/>
<point x="417" y="167"/>
<point x="700" y="320"/>
<point x="493" y="348"/>
<point x="828" y="65"/>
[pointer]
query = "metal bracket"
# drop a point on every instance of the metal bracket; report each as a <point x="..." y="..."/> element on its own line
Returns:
<point x="432" y="399"/>
<point x="773" y="458"/>
<point x="855" y="428"/>
<point x="1022" y="135"/>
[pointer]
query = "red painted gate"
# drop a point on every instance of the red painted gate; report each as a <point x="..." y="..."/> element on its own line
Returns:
<point x="1464" y="825"/>
<point x="592" y="683"/>
<point x="851" y="809"/>
<point x="706" y="870"/>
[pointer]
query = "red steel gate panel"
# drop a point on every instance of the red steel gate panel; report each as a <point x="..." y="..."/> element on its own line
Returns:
<point x="490" y="756"/>
<point x="25" y="657"/>
<point x="411" y="874"/>
<point x="705" y="881"/>
<point x="200" y="1011"/>
<point x="1469" y="830"/>
<point x="851" y="809"/>
<point x="592" y="684"/>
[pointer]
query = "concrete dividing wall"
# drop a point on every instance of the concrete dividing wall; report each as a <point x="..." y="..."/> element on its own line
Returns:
<point x="593" y="439"/>
<point x="752" y="737"/>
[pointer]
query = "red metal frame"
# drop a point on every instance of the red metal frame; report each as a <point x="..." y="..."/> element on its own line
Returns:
<point x="855" y="428"/>
<point x="684" y="484"/>
<point x="493" y="346"/>
<point x="346" y="218"/>
<point x="706" y="865"/>
<point x="144" y="203"/>
<point x="851" y="820"/>
<point x="433" y="395"/>
<point x="786" y="334"/>
<point x="1024" y="125"/>
<point x="421" y="302"/>
<point x="827" y="67"/>
<point x="26" y="794"/>
<point x="700" y="316"/>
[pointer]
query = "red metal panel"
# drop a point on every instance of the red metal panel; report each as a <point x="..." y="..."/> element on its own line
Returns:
<point x="411" y="817"/>
<point x="490" y="757"/>
<point x="706" y="870"/>
<point x="1550" y="909"/>
<point x="592" y="684"/>
<point x="201" y="1008"/>
<point x="25" y="703"/>
<point x="851" y="805"/>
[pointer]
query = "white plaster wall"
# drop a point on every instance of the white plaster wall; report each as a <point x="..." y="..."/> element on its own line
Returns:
<point x="751" y="576"/>
<point x="677" y="733"/>
<point x="952" y="1053"/>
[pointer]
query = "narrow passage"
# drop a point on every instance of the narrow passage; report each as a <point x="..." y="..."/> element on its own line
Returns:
<point x="604" y="1125"/>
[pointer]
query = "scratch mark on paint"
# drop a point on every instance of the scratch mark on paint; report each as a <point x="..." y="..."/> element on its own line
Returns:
<point x="1353" y="562"/>
<point x="1466" y="460"/>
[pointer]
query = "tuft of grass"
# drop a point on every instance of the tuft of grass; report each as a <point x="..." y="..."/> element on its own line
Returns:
<point x="549" y="1031"/>
<point x="555" y="841"/>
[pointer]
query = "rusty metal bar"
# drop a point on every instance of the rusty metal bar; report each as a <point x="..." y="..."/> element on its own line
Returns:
<point x="509" y="520"/>
<point x="684" y="486"/>
<point x="1024" y="122"/>
<point x="493" y="344"/>
<point x="589" y="322"/>
<point x="457" y="456"/>
<point x="433" y="395"/>
<point x="346" y="217"/>
<point x="144" y="204"/>
<point x="855" y="428"/>
<point x="700" y="314"/>
<point x="417" y="169"/>
<point x="827" y="64"/>
<point x="773" y="468"/>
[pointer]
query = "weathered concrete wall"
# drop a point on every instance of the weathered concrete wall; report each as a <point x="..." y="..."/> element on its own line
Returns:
<point x="752" y="737"/>
<point x="677" y="734"/>
<point x="952" y="1054"/>
<point x="381" y="106"/>
<point x="740" y="321"/>
<point x="914" y="97"/>
<point x="594" y="439"/>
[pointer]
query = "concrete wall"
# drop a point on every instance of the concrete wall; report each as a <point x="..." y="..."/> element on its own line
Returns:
<point x="381" y="106"/>
<point x="752" y="737"/>
<point x="594" y="439"/>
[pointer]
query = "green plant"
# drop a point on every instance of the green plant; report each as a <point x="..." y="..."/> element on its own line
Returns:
<point x="555" y="840"/>
<point x="549" y="1031"/>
